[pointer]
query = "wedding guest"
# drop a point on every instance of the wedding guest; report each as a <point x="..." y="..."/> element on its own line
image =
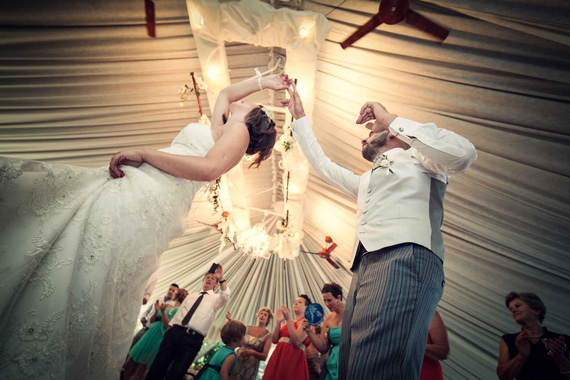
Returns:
<point x="145" y="318"/>
<point x="437" y="349"/>
<point x="534" y="353"/>
<point x="312" y="354"/>
<point x="190" y="325"/>
<point x="256" y="346"/>
<point x="329" y="338"/>
<point x="224" y="361"/>
<point x="143" y="353"/>
<point x="288" y="361"/>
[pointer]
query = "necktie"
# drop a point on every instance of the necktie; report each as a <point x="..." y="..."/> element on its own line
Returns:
<point x="193" y="309"/>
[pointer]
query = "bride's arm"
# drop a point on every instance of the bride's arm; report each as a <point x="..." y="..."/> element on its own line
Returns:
<point x="240" y="90"/>
<point x="224" y="155"/>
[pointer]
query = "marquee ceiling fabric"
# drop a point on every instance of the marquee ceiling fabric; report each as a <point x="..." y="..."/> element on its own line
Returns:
<point x="80" y="80"/>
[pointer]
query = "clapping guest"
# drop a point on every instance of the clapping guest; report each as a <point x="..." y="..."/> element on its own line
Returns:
<point x="534" y="353"/>
<point x="143" y="353"/>
<point x="329" y="338"/>
<point x="288" y="361"/>
<point x="437" y="349"/>
<point x="256" y="346"/>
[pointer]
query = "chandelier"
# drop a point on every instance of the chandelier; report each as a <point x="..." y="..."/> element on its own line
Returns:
<point x="254" y="242"/>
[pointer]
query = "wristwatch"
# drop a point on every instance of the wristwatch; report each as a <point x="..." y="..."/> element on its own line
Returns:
<point x="222" y="281"/>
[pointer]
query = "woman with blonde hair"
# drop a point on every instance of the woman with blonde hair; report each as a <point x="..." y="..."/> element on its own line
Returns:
<point x="256" y="347"/>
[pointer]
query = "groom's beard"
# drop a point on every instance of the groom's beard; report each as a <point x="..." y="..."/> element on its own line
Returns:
<point x="371" y="149"/>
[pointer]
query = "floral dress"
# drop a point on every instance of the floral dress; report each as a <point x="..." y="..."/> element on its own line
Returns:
<point x="76" y="250"/>
<point x="247" y="368"/>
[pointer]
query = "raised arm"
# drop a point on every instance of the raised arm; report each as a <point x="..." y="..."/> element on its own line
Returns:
<point x="440" y="151"/>
<point x="238" y="91"/>
<point x="278" y="320"/>
<point x="296" y="334"/>
<point x="334" y="174"/>
<point x="319" y="341"/>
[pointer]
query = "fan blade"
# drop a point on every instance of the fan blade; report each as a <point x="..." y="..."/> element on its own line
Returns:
<point x="418" y="21"/>
<point x="333" y="263"/>
<point x="362" y="31"/>
<point x="150" y="18"/>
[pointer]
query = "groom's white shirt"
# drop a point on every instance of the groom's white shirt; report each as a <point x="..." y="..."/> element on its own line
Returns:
<point x="399" y="200"/>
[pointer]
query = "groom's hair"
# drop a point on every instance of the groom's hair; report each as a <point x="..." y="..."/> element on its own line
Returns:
<point x="262" y="135"/>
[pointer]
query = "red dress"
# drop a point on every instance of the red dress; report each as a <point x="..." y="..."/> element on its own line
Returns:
<point x="287" y="362"/>
<point x="431" y="369"/>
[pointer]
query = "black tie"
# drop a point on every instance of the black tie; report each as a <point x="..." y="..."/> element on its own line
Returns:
<point x="193" y="309"/>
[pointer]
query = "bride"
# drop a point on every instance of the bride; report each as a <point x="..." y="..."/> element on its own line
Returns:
<point x="78" y="245"/>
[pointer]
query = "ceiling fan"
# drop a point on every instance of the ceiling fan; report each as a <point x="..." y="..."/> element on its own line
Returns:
<point x="325" y="253"/>
<point x="392" y="12"/>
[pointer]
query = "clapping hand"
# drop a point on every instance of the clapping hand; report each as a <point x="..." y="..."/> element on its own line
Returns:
<point x="286" y="312"/>
<point x="279" y="316"/>
<point x="306" y="325"/>
<point x="163" y="307"/>
<point x="228" y="316"/>
<point x="556" y="346"/>
<point x="157" y="305"/>
<point x="522" y="343"/>
<point x="294" y="103"/>
<point x="375" y="111"/>
<point x="276" y="82"/>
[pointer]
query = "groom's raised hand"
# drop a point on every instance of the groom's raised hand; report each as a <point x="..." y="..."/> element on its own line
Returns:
<point x="294" y="103"/>
<point x="375" y="111"/>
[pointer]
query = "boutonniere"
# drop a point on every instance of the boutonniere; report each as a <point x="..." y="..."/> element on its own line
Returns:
<point x="385" y="162"/>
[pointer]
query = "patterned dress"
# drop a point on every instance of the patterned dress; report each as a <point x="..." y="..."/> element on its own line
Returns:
<point x="76" y="250"/>
<point x="247" y="368"/>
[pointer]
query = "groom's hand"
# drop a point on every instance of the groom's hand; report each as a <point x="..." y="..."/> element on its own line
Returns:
<point x="294" y="103"/>
<point x="375" y="111"/>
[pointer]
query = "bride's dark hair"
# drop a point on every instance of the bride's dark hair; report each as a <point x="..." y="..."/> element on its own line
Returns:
<point x="262" y="135"/>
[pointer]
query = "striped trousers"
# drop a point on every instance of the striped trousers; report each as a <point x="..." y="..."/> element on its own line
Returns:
<point x="390" y="305"/>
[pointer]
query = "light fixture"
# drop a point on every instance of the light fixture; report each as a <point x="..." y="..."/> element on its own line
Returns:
<point x="254" y="242"/>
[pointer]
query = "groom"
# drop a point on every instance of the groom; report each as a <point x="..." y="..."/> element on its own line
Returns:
<point x="397" y="261"/>
<point x="189" y="326"/>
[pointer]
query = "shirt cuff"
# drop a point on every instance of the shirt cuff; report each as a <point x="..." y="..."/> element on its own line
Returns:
<point x="299" y="123"/>
<point x="404" y="129"/>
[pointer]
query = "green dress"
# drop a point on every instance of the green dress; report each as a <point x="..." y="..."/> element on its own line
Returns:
<point x="146" y="348"/>
<point x="218" y="360"/>
<point x="332" y="361"/>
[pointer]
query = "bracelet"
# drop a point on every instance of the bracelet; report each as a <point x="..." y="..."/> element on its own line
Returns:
<point x="221" y="281"/>
<point x="258" y="75"/>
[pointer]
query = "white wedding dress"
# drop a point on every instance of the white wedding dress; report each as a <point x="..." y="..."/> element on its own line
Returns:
<point x="76" y="250"/>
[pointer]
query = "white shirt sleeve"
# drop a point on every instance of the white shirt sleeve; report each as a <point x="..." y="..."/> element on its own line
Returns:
<point x="334" y="174"/>
<point x="224" y="298"/>
<point x="439" y="150"/>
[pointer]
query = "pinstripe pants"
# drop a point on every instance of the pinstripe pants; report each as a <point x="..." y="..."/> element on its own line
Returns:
<point x="390" y="304"/>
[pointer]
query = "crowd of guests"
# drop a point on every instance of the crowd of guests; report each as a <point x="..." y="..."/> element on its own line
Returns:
<point x="311" y="352"/>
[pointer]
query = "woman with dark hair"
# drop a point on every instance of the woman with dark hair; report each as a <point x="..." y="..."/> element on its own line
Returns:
<point x="534" y="353"/>
<point x="79" y="244"/>
<point x="288" y="361"/>
<point x="256" y="346"/>
<point x="329" y="339"/>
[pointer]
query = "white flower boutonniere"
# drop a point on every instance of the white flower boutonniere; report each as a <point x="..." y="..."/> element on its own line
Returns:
<point x="386" y="163"/>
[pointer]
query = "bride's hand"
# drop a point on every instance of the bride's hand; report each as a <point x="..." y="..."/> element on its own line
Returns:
<point x="128" y="157"/>
<point x="276" y="82"/>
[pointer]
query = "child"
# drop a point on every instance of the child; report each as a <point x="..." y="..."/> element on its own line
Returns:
<point x="224" y="361"/>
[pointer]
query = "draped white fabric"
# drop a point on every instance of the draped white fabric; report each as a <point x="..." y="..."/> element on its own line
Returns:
<point x="80" y="80"/>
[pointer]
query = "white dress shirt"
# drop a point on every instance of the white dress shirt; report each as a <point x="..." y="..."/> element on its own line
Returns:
<point x="402" y="201"/>
<point x="206" y="311"/>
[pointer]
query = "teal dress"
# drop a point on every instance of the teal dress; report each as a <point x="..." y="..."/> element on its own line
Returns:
<point x="217" y="361"/>
<point x="146" y="348"/>
<point x="332" y="361"/>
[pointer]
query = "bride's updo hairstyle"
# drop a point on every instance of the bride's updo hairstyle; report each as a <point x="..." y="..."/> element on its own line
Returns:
<point x="262" y="135"/>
